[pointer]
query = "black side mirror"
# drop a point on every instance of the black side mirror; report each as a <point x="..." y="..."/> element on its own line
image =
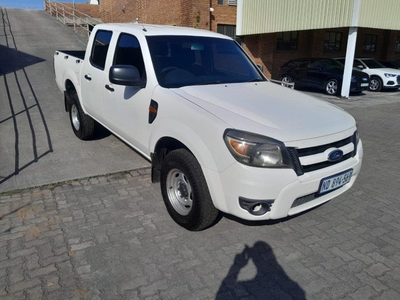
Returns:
<point x="126" y="75"/>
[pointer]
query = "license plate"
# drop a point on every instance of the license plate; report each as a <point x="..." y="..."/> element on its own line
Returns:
<point x="334" y="182"/>
<point x="364" y="84"/>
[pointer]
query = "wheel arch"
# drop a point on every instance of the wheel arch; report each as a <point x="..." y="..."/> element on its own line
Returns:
<point x="339" y="80"/>
<point x="163" y="146"/>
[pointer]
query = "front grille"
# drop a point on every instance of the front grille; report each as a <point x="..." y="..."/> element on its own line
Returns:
<point x="296" y="154"/>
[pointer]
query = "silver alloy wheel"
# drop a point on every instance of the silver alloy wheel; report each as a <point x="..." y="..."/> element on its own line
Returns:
<point x="374" y="84"/>
<point x="285" y="80"/>
<point x="331" y="87"/>
<point x="75" y="117"/>
<point x="179" y="192"/>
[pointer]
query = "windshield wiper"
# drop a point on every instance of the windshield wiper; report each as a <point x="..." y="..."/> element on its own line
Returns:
<point x="256" y="80"/>
<point x="209" y="82"/>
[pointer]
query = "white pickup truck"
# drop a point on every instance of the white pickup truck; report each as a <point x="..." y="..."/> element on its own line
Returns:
<point x="219" y="135"/>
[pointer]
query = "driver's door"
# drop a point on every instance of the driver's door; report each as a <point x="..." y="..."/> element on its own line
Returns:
<point x="126" y="108"/>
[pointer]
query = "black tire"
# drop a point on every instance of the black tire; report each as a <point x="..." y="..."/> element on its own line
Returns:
<point x="332" y="86"/>
<point x="185" y="192"/>
<point x="375" y="84"/>
<point x="82" y="124"/>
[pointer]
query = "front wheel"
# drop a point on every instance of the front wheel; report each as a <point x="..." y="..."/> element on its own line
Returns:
<point x="332" y="87"/>
<point x="185" y="192"/>
<point x="375" y="84"/>
<point x="82" y="124"/>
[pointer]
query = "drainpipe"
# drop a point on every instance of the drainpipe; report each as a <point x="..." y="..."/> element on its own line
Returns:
<point x="211" y="10"/>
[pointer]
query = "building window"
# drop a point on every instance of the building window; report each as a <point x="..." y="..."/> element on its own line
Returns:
<point x="221" y="2"/>
<point x="287" y="41"/>
<point x="370" y="43"/>
<point x="333" y="41"/>
<point x="232" y="2"/>
<point x="229" y="30"/>
<point x="397" y="45"/>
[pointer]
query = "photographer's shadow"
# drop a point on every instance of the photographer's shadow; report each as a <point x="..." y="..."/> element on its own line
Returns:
<point x="269" y="282"/>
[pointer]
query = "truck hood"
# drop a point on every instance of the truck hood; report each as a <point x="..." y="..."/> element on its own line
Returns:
<point x="269" y="109"/>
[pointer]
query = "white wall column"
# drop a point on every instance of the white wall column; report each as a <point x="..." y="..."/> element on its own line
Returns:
<point x="348" y="67"/>
<point x="351" y="49"/>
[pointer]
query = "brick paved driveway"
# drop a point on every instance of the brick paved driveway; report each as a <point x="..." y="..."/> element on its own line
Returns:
<point x="109" y="237"/>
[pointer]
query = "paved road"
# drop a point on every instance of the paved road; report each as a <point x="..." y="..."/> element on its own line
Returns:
<point x="37" y="144"/>
<point x="109" y="237"/>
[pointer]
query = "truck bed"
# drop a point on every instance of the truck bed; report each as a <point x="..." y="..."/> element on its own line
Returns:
<point x="75" y="53"/>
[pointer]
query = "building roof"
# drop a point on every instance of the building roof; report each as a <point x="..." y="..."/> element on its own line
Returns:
<point x="266" y="16"/>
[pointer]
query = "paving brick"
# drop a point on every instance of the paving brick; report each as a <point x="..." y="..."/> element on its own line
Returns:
<point x="24" y="285"/>
<point x="82" y="246"/>
<point x="42" y="271"/>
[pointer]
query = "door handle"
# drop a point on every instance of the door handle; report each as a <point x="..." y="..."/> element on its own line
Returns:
<point x="109" y="88"/>
<point x="87" y="77"/>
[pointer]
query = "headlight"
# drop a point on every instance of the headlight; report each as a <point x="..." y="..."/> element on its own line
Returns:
<point x="389" y="75"/>
<point x="257" y="150"/>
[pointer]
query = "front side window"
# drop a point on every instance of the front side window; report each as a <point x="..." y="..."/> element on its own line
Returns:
<point x="100" y="48"/>
<point x="287" y="41"/>
<point x="128" y="52"/>
<point x="370" y="43"/>
<point x="333" y="41"/>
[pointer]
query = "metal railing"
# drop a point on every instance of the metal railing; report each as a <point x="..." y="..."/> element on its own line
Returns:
<point x="68" y="15"/>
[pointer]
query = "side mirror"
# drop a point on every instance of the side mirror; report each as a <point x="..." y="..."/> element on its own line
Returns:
<point x="360" y="67"/>
<point x="126" y="75"/>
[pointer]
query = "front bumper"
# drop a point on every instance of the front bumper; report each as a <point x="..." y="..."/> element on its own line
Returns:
<point x="282" y="186"/>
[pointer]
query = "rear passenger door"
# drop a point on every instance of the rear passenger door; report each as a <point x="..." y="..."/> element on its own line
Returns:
<point x="93" y="74"/>
<point x="317" y="73"/>
<point x="299" y="71"/>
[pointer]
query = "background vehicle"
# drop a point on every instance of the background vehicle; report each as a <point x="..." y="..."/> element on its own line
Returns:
<point x="220" y="136"/>
<point x="322" y="73"/>
<point x="381" y="76"/>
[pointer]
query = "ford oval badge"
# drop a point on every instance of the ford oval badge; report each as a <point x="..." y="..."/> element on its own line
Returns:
<point x="335" y="155"/>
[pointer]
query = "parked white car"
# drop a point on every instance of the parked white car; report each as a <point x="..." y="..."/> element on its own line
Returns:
<point x="381" y="76"/>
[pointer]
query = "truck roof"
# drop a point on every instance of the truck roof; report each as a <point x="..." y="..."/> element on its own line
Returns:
<point x="157" y="30"/>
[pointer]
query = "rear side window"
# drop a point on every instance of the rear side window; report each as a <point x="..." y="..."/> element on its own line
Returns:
<point x="100" y="48"/>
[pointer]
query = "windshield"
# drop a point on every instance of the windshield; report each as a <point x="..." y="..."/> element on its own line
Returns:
<point x="190" y="60"/>
<point x="372" y="64"/>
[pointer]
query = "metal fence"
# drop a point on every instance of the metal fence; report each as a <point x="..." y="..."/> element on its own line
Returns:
<point x="68" y="15"/>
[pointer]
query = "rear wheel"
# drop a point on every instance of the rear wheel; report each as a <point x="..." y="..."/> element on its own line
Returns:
<point x="332" y="87"/>
<point x="185" y="192"/>
<point x="82" y="124"/>
<point x="286" y="79"/>
<point x="375" y="84"/>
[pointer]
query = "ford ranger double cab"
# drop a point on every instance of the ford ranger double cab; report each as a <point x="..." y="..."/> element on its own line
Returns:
<point x="220" y="136"/>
